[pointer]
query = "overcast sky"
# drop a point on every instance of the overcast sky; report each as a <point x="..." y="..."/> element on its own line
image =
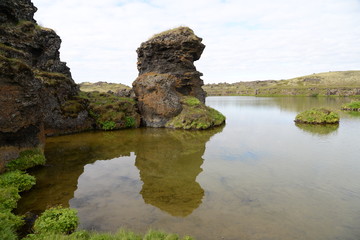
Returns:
<point x="245" y="39"/>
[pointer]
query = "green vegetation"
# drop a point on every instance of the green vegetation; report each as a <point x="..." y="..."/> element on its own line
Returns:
<point x="108" y="125"/>
<point x="196" y="115"/>
<point x="51" y="78"/>
<point x="7" y="49"/>
<point x="353" y="106"/>
<point x="111" y="112"/>
<point x="102" y="87"/>
<point x="17" y="179"/>
<point x="57" y="220"/>
<point x="9" y="224"/>
<point x="8" y="198"/>
<point x="11" y="183"/>
<point x="343" y="83"/>
<point x="27" y="159"/>
<point x="120" y="235"/>
<point x="318" y="116"/>
<point x="72" y="108"/>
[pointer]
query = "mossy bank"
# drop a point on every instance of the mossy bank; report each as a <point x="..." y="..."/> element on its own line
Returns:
<point x="318" y="116"/>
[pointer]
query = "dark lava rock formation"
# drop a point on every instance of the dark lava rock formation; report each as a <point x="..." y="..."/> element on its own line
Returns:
<point x="167" y="74"/>
<point x="38" y="96"/>
<point x="38" y="48"/>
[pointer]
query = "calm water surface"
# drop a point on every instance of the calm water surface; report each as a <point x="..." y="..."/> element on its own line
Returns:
<point x="259" y="177"/>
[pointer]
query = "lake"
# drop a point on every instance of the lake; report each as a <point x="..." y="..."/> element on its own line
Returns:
<point x="258" y="177"/>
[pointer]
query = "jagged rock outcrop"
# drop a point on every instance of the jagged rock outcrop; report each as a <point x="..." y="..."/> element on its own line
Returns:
<point x="38" y="47"/>
<point x="34" y="83"/>
<point x="21" y="119"/>
<point x="38" y="96"/>
<point x="167" y="74"/>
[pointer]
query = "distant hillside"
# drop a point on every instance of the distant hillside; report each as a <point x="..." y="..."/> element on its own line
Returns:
<point x="344" y="83"/>
<point x="102" y="87"/>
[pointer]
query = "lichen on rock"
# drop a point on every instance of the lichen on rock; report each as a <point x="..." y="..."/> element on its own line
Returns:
<point x="167" y="76"/>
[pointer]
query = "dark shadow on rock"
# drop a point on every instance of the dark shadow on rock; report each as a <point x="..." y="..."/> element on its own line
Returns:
<point x="318" y="129"/>
<point x="169" y="164"/>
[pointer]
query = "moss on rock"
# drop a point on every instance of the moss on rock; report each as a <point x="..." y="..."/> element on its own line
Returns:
<point x="111" y="112"/>
<point x="318" y="116"/>
<point x="195" y="115"/>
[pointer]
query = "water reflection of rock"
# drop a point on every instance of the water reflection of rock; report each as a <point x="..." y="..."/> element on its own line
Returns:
<point x="169" y="163"/>
<point x="318" y="129"/>
<point x="67" y="156"/>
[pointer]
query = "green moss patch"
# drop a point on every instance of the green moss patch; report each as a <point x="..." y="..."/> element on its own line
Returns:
<point x="196" y="115"/>
<point x="51" y="78"/>
<point x="57" y="220"/>
<point x="111" y="112"/>
<point x="353" y="106"/>
<point x="18" y="179"/>
<point x="27" y="159"/>
<point x="72" y="108"/>
<point x="11" y="183"/>
<point x="318" y="116"/>
<point x="8" y="198"/>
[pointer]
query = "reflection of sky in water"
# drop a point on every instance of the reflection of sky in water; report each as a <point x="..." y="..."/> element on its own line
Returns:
<point x="260" y="177"/>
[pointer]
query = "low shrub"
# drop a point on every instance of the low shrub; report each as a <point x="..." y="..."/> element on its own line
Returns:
<point x="318" y="116"/>
<point x="27" y="159"/>
<point x="57" y="220"/>
<point x="18" y="179"/>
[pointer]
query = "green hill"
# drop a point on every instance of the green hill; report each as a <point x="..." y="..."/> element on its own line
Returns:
<point x="343" y="83"/>
<point x="102" y="87"/>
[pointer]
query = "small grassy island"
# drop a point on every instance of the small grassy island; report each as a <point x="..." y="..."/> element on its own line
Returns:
<point x="353" y="106"/>
<point x="318" y="116"/>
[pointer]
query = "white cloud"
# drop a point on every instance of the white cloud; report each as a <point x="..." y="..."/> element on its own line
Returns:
<point x="245" y="40"/>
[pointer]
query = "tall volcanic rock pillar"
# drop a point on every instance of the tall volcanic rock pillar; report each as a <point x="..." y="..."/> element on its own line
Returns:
<point x="168" y="79"/>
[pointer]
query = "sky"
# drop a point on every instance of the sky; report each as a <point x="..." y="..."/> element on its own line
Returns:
<point x="245" y="40"/>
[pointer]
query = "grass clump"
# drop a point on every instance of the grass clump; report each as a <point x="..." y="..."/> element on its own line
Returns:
<point x="27" y="159"/>
<point x="57" y="220"/>
<point x="318" y="116"/>
<point x="17" y="179"/>
<point x="120" y="235"/>
<point x="353" y="106"/>
<point x="195" y="115"/>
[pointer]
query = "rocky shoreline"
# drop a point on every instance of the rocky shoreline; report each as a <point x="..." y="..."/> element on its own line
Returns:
<point x="39" y="98"/>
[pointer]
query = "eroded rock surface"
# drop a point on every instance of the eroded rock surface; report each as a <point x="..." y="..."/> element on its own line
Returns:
<point x="167" y="74"/>
<point x="34" y="82"/>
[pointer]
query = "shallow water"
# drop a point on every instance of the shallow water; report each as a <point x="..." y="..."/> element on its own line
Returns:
<point x="259" y="177"/>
